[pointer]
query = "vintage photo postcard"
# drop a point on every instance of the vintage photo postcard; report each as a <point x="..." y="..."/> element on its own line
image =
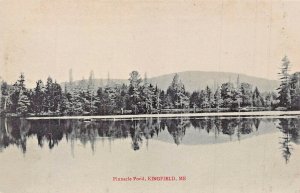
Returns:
<point x="149" y="96"/>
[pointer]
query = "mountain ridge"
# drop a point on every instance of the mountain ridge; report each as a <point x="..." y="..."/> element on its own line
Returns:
<point x="196" y="80"/>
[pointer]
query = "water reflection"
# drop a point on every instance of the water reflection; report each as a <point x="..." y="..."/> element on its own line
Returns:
<point x="291" y="131"/>
<point x="181" y="131"/>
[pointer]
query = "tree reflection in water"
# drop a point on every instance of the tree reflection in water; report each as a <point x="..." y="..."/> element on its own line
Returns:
<point x="290" y="129"/>
<point x="51" y="132"/>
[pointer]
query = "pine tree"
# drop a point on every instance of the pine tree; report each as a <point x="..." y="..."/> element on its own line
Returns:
<point x="23" y="104"/>
<point x="21" y="82"/>
<point x="100" y="103"/>
<point x="38" y="97"/>
<point x="209" y="98"/>
<point x="6" y="91"/>
<point x="284" y="88"/>
<point x="57" y="97"/>
<point x="23" y="101"/>
<point x="161" y="100"/>
<point x="147" y="95"/>
<point x="53" y="96"/>
<point x="238" y="96"/>
<point x="257" y="98"/>
<point x="65" y="104"/>
<point x="121" y="98"/>
<point x="246" y="94"/>
<point x="90" y="94"/>
<point x="201" y="102"/>
<point x="110" y="98"/>
<point x="134" y="90"/>
<point x="194" y="99"/>
<point x="218" y="98"/>
<point x="295" y="91"/>
<point x="157" y="98"/>
<point x="49" y="95"/>
<point x="177" y="93"/>
<point x="77" y="103"/>
<point x="19" y="90"/>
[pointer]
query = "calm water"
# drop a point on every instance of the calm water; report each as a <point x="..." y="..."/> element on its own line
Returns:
<point x="215" y="154"/>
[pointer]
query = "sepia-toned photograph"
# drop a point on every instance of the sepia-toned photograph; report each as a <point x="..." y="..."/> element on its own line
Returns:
<point x="149" y="96"/>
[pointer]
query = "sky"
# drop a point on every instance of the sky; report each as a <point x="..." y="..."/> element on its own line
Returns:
<point x="44" y="38"/>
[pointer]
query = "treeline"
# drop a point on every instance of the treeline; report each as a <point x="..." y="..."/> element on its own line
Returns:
<point x="142" y="97"/>
<point x="289" y="90"/>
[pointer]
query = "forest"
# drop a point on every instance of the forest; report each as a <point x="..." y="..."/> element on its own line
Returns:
<point x="141" y="97"/>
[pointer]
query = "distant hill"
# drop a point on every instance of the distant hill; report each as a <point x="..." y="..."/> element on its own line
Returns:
<point x="196" y="80"/>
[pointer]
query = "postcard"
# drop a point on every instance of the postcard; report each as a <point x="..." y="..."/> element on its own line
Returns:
<point x="149" y="96"/>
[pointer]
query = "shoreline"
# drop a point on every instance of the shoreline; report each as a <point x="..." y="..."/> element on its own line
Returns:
<point x="215" y="114"/>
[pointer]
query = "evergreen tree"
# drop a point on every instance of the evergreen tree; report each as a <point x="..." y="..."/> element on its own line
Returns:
<point x="106" y="100"/>
<point x="53" y="96"/>
<point x="218" y="98"/>
<point x="134" y="91"/>
<point x="147" y="95"/>
<point x="23" y="104"/>
<point x="284" y="88"/>
<point x="18" y="89"/>
<point x="237" y="97"/>
<point x="100" y="101"/>
<point x="49" y="95"/>
<point x="246" y="94"/>
<point x="121" y="98"/>
<point x="194" y="99"/>
<point x="227" y="93"/>
<point x="158" y="98"/>
<point x="295" y="91"/>
<point x="90" y="95"/>
<point x="65" y="104"/>
<point x="110" y="98"/>
<point x="209" y="98"/>
<point x="38" y="97"/>
<point x="21" y="83"/>
<point x="57" y="92"/>
<point x="257" y="98"/>
<point x="6" y="91"/>
<point x="77" y="102"/>
<point x="201" y="102"/>
<point x="177" y="94"/>
<point x="164" y="102"/>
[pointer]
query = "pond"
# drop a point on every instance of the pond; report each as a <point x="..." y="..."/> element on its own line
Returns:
<point x="215" y="154"/>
